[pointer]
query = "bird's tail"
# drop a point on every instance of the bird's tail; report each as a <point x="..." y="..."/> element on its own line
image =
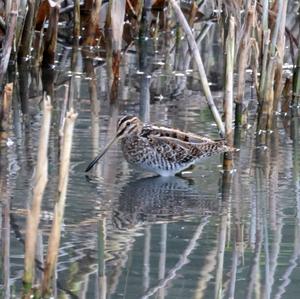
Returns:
<point x="223" y="147"/>
<point x="215" y="147"/>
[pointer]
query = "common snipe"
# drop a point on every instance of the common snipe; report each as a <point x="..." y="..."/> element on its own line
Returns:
<point x="161" y="150"/>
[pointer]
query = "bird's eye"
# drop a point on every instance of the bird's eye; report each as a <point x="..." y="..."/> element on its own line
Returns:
<point x="127" y="124"/>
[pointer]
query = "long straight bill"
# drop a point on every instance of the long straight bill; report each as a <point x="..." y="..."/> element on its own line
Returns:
<point x="91" y="165"/>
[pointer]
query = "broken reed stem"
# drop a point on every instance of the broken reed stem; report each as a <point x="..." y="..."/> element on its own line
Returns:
<point x="51" y="36"/>
<point x="40" y="182"/>
<point x="242" y="64"/>
<point x="228" y="97"/>
<point x="54" y="238"/>
<point x="5" y="105"/>
<point x="8" y="42"/>
<point x="195" y="51"/>
<point x="76" y="30"/>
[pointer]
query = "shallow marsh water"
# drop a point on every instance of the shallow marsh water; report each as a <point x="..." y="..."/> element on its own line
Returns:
<point x="130" y="234"/>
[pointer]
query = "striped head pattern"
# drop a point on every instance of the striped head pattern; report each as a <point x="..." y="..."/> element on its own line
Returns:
<point x="127" y="125"/>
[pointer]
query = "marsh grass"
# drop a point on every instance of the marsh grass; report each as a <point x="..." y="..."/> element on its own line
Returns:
<point x="261" y="28"/>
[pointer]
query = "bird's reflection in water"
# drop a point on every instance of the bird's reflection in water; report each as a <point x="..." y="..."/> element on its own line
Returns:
<point x="161" y="199"/>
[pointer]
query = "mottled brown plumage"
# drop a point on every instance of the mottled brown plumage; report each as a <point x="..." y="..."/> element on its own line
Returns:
<point x="161" y="150"/>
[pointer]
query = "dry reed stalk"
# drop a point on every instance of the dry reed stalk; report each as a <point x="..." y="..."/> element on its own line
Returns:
<point x="63" y="111"/>
<point x="51" y="35"/>
<point x="243" y="54"/>
<point x="74" y="83"/>
<point x="4" y="112"/>
<point x="40" y="182"/>
<point x="194" y="49"/>
<point x="269" y="92"/>
<point x="93" y="22"/>
<point x="156" y="33"/>
<point x="268" y="88"/>
<point x="28" y="30"/>
<point x="76" y="30"/>
<point x="228" y="99"/>
<point x="193" y="13"/>
<point x="280" y="46"/>
<point x="117" y="11"/>
<point x="228" y="96"/>
<point x="275" y="32"/>
<point x="8" y="6"/>
<point x="8" y="42"/>
<point x="20" y="24"/>
<point x="131" y="8"/>
<point x="144" y="64"/>
<point x="265" y="15"/>
<point x="139" y="9"/>
<point x="265" y="54"/>
<point x="254" y="63"/>
<point x="54" y="238"/>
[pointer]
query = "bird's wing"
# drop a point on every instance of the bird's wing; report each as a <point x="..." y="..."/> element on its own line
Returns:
<point x="174" y="134"/>
<point x="180" y="151"/>
<point x="174" y="150"/>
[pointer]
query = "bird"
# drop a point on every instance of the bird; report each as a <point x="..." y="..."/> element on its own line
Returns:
<point x="164" y="151"/>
